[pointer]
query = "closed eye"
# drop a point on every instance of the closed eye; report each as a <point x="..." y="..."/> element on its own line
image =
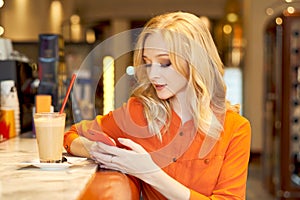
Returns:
<point x="166" y="65"/>
<point x="161" y="64"/>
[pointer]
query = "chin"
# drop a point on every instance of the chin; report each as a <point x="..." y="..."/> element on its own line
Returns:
<point x="165" y="96"/>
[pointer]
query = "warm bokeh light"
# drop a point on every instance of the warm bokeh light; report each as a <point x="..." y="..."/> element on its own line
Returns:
<point x="269" y="11"/>
<point x="1" y="30"/>
<point x="1" y="3"/>
<point x="290" y="9"/>
<point x="232" y="17"/>
<point x="227" y="29"/>
<point x="56" y="15"/>
<point x="108" y="84"/>
<point x="278" y="21"/>
<point x="90" y="36"/>
<point x="76" y="28"/>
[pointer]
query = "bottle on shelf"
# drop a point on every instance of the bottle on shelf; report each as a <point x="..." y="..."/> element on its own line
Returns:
<point x="9" y="99"/>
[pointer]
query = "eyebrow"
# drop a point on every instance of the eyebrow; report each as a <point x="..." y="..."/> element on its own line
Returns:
<point x="158" y="55"/>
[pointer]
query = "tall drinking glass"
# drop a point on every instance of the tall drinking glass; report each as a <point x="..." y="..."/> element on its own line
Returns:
<point x="49" y="129"/>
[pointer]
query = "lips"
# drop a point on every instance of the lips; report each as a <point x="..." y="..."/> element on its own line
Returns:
<point x="159" y="86"/>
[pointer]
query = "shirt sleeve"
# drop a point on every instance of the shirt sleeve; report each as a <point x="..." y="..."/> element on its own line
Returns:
<point x="69" y="136"/>
<point x="109" y="124"/>
<point x="91" y="129"/>
<point x="232" y="179"/>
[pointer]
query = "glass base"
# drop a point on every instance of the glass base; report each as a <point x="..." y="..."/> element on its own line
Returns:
<point x="50" y="161"/>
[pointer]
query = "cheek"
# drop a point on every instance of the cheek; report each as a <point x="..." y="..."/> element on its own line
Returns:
<point x="175" y="79"/>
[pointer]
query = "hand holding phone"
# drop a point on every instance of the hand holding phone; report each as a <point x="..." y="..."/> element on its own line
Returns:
<point x="100" y="136"/>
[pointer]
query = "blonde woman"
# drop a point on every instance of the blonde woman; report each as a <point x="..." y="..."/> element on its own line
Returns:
<point x="177" y="136"/>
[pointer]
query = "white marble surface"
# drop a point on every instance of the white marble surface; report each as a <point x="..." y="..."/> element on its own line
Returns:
<point x="26" y="182"/>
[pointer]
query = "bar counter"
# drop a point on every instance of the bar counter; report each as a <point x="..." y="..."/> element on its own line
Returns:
<point x="19" y="180"/>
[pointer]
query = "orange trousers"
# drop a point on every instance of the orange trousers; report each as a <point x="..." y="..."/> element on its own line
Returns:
<point x="111" y="185"/>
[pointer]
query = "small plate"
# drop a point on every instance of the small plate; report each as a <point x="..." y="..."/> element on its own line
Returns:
<point x="51" y="166"/>
<point x="48" y="166"/>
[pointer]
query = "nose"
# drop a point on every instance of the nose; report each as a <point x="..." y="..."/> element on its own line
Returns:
<point x="154" y="71"/>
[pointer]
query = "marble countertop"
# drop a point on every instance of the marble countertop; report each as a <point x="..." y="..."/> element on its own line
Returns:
<point x="19" y="181"/>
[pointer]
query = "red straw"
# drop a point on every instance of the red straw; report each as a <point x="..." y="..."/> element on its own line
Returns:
<point x="68" y="93"/>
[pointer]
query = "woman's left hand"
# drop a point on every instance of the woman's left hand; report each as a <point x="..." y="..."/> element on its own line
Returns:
<point x="136" y="161"/>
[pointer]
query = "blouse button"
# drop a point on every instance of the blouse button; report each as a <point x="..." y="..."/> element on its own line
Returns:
<point x="181" y="133"/>
<point x="174" y="159"/>
<point x="206" y="161"/>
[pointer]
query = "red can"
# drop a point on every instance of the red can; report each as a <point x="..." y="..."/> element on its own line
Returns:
<point x="7" y="124"/>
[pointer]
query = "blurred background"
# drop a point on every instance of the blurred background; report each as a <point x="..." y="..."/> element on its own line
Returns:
<point x="258" y="41"/>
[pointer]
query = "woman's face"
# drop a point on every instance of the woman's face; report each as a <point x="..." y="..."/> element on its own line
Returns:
<point x="165" y="79"/>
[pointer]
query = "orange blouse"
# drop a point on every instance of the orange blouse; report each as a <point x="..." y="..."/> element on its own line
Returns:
<point x="222" y="174"/>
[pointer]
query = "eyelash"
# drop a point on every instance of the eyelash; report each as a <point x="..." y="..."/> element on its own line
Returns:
<point x="162" y="65"/>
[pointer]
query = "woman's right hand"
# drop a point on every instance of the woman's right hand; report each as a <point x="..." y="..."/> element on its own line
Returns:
<point x="81" y="146"/>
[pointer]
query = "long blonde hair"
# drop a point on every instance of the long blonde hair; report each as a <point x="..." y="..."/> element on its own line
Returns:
<point x="189" y="41"/>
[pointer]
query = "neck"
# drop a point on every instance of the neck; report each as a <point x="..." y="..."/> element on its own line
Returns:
<point x="180" y="106"/>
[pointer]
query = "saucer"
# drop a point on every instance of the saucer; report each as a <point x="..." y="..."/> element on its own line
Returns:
<point x="51" y="166"/>
<point x="70" y="161"/>
<point x="47" y="166"/>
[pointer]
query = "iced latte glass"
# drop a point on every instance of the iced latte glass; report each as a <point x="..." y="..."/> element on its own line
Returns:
<point x="49" y="129"/>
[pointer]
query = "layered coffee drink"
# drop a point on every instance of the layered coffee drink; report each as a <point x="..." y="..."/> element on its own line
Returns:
<point x="49" y="129"/>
